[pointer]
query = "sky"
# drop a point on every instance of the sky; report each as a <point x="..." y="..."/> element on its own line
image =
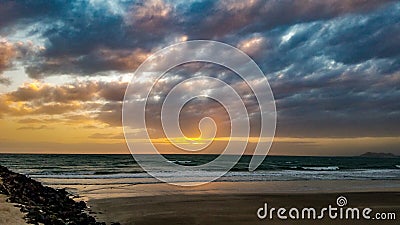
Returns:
<point x="333" y="67"/>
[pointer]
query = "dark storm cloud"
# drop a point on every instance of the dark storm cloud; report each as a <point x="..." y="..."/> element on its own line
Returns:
<point x="305" y="48"/>
<point x="337" y="78"/>
<point x="83" y="37"/>
<point x="342" y="110"/>
<point x="333" y="65"/>
<point x="13" y="12"/>
<point x="231" y="17"/>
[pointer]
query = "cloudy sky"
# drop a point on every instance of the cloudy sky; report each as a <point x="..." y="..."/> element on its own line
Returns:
<point x="333" y="66"/>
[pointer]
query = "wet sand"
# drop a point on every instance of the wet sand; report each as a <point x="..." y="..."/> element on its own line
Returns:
<point x="238" y="208"/>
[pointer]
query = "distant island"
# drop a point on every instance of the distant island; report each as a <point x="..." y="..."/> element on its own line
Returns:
<point x="378" y="155"/>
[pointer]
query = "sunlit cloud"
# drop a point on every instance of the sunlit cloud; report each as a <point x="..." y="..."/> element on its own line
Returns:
<point x="333" y="67"/>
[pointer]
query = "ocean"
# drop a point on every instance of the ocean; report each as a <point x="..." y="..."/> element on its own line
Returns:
<point x="123" y="168"/>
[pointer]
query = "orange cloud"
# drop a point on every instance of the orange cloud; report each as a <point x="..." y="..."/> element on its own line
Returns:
<point x="89" y="102"/>
<point x="46" y="93"/>
<point x="34" y="128"/>
<point x="7" y="55"/>
<point x="252" y="46"/>
<point x="152" y="16"/>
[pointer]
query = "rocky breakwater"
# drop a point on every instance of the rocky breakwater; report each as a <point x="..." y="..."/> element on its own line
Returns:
<point x="41" y="204"/>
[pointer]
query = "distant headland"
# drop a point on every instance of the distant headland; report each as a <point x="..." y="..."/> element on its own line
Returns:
<point x="379" y="155"/>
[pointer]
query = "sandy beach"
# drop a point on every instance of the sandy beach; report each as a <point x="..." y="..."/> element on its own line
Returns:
<point x="89" y="189"/>
<point x="220" y="203"/>
<point x="235" y="204"/>
<point x="226" y="209"/>
<point x="9" y="214"/>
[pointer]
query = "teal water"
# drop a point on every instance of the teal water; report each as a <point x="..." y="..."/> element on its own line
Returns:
<point x="273" y="167"/>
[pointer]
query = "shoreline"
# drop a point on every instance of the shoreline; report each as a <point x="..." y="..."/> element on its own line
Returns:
<point x="220" y="203"/>
<point x="95" y="189"/>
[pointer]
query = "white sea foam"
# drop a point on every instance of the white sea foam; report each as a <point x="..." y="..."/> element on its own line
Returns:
<point x="275" y="175"/>
<point x="320" y="168"/>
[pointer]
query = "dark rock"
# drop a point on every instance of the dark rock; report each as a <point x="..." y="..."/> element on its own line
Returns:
<point x="43" y="204"/>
